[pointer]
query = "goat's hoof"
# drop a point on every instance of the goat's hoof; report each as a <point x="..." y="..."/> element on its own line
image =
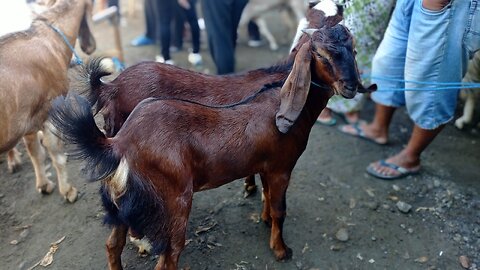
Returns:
<point x="14" y="167"/>
<point x="459" y="123"/>
<point x="273" y="47"/>
<point x="249" y="190"/>
<point x="283" y="254"/>
<point x="71" y="195"/>
<point x="267" y="221"/>
<point x="47" y="188"/>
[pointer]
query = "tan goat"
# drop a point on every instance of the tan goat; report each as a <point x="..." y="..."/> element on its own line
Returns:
<point x="33" y="71"/>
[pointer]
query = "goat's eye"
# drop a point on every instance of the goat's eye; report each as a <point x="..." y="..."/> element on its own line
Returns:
<point x="355" y="52"/>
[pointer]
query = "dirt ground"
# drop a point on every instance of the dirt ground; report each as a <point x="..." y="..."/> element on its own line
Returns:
<point x="338" y="216"/>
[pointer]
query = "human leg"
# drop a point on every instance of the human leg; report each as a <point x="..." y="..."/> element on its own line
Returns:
<point x="150" y="22"/>
<point x="192" y="19"/>
<point x="408" y="158"/>
<point x="433" y="39"/>
<point x="388" y="63"/>
<point x="165" y="9"/>
<point x="221" y="20"/>
<point x="218" y="23"/>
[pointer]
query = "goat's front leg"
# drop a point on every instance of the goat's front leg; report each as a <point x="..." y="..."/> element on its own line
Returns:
<point x="468" y="110"/>
<point x="59" y="160"/>
<point x="37" y="155"/>
<point x="250" y="186"/>
<point x="115" y="243"/>
<point x="13" y="160"/>
<point x="278" y="184"/>
<point x="266" y="202"/>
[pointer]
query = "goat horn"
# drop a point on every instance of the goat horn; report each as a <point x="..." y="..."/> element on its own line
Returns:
<point x="309" y="31"/>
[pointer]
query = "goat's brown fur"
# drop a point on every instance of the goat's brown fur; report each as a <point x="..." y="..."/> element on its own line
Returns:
<point x="33" y="71"/>
<point x="169" y="149"/>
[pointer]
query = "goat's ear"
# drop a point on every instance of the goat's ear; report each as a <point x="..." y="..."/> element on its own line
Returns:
<point x="87" y="41"/>
<point x="295" y="90"/>
<point x="370" y="89"/>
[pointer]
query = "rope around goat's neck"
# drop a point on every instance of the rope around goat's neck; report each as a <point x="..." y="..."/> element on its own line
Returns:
<point x="78" y="60"/>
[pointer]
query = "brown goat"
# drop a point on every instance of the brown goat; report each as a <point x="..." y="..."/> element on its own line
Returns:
<point x="33" y="71"/>
<point x="116" y="100"/>
<point x="168" y="149"/>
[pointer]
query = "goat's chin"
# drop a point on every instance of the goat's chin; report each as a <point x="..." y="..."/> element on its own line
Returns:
<point x="348" y="93"/>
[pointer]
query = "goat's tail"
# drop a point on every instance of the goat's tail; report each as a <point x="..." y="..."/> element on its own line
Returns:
<point x="90" y="83"/>
<point x="73" y="118"/>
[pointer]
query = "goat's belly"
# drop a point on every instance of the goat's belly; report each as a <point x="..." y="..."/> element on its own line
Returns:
<point x="210" y="184"/>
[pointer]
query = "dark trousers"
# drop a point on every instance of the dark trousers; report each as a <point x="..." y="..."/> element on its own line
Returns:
<point x="150" y="19"/>
<point x="221" y="20"/>
<point x="158" y="17"/>
<point x="253" y="31"/>
<point x="165" y="13"/>
<point x="189" y="15"/>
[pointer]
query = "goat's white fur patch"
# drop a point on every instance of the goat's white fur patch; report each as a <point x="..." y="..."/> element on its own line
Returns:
<point x="301" y="25"/>
<point x="118" y="182"/>
<point x="328" y="7"/>
<point x="143" y="244"/>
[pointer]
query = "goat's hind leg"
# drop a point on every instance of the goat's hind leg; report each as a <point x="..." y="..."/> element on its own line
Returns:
<point x="276" y="195"/>
<point x="55" y="149"/>
<point x="115" y="244"/>
<point x="178" y="230"/>
<point x="37" y="155"/>
<point x="263" y="28"/>
<point x="249" y="186"/>
<point x="13" y="160"/>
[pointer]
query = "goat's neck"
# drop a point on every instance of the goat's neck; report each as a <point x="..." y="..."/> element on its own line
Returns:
<point x="316" y="102"/>
<point x="68" y="21"/>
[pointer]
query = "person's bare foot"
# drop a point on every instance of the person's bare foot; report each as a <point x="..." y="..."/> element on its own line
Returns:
<point x="351" y="117"/>
<point x="326" y="118"/>
<point x="365" y="131"/>
<point x="394" y="167"/>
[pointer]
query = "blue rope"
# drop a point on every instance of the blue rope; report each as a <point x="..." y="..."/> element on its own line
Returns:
<point x="445" y="85"/>
<point x="78" y="60"/>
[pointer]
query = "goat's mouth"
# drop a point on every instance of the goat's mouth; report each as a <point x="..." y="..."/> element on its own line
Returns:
<point x="346" y="91"/>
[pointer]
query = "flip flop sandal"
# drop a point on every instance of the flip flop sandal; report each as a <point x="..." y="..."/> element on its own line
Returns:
<point x="330" y="122"/>
<point x="359" y="133"/>
<point x="402" y="172"/>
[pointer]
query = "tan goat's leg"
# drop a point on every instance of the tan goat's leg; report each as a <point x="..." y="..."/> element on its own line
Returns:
<point x="468" y="110"/>
<point x="37" y="155"/>
<point x="250" y="186"/>
<point x="13" y="160"/>
<point x="55" y="149"/>
<point x="181" y="208"/>
<point x="278" y="205"/>
<point x="115" y="243"/>
<point x="263" y="29"/>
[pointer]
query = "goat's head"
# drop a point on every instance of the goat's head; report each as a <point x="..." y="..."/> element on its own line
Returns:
<point x="87" y="42"/>
<point x="333" y="59"/>
<point x="327" y="58"/>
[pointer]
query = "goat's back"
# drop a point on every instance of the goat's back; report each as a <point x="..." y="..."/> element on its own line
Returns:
<point x="189" y="141"/>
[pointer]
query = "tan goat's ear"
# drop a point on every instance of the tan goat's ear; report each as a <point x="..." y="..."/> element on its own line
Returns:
<point x="295" y="90"/>
<point x="85" y="36"/>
